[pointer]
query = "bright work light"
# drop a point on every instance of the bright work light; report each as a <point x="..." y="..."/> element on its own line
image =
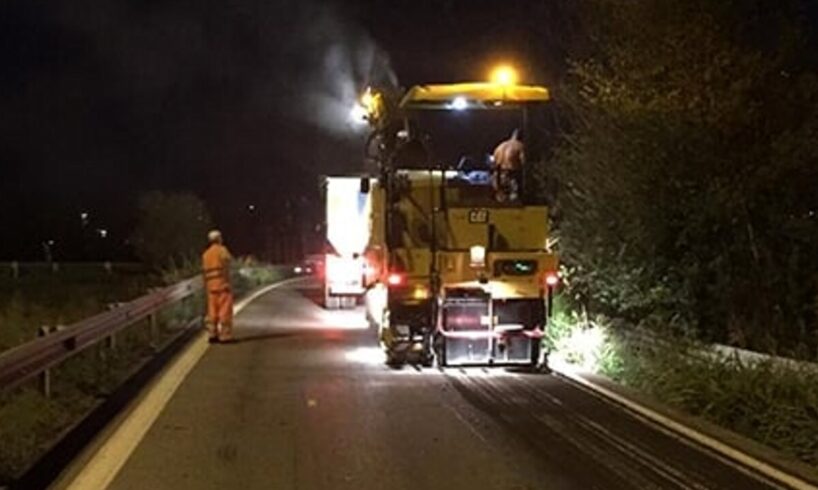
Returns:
<point x="358" y="114"/>
<point x="477" y="256"/>
<point x="504" y="75"/>
<point x="459" y="103"/>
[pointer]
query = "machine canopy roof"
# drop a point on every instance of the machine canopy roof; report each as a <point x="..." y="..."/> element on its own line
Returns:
<point x="477" y="95"/>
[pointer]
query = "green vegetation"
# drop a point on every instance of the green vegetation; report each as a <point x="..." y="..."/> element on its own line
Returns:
<point x="43" y="297"/>
<point x="688" y="169"/>
<point x="774" y="404"/>
<point x="687" y="208"/>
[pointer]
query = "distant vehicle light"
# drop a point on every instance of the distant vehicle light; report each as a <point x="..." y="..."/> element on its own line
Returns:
<point x="395" y="279"/>
<point x="298" y="270"/>
<point x="552" y="279"/>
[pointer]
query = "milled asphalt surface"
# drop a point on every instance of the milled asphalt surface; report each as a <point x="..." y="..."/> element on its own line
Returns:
<point x="304" y="401"/>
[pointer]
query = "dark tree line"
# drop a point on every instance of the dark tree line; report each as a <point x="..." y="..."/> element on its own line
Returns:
<point x="688" y="169"/>
<point x="171" y="230"/>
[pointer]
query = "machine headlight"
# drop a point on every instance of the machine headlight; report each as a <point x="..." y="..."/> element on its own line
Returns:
<point x="477" y="257"/>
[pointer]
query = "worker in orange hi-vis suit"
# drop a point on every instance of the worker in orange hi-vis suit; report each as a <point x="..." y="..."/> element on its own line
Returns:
<point x="216" y="270"/>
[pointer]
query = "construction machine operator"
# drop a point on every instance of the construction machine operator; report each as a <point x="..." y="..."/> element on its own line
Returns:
<point x="216" y="269"/>
<point x="509" y="157"/>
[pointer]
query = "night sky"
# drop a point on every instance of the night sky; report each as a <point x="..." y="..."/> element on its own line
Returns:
<point x="240" y="102"/>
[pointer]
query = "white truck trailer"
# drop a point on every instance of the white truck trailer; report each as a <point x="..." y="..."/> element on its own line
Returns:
<point x="347" y="226"/>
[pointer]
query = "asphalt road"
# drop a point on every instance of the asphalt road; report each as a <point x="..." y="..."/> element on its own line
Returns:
<point x="304" y="401"/>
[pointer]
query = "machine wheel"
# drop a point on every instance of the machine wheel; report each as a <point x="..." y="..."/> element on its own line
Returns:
<point x="395" y="359"/>
<point x="440" y="351"/>
<point x="536" y="349"/>
<point x="427" y="357"/>
<point x="427" y="360"/>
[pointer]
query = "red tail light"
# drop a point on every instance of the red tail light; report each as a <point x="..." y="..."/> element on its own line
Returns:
<point x="395" y="279"/>
<point x="552" y="279"/>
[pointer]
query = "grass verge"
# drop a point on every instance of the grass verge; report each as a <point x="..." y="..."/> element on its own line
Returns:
<point x="770" y="403"/>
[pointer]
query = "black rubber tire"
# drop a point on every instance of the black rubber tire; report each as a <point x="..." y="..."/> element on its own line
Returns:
<point x="427" y="360"/>
<point x="395" y="359"/>
<point x="536" y="350"/>
<point x="440" y="352"/>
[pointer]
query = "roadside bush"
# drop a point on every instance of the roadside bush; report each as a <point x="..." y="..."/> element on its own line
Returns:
<point x="36" y="420"/>
<point x="30" y="302"/>
<point x="687" y="171"/>
<point x="774" y="405"/>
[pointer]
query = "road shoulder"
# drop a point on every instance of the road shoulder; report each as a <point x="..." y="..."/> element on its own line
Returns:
<point x="741" y="452"/>
<point x="100" y="462"/>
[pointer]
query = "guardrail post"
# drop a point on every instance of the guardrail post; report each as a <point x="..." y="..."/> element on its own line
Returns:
<point x="45" y="376"/>
<point x="110" y="341"/>
<point x="15" y="270"/>
<point x="154" y="328"/>
<point x="185" y="304"/>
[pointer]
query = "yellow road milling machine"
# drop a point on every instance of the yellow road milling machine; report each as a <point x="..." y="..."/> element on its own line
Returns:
<point x="456" y="271"/>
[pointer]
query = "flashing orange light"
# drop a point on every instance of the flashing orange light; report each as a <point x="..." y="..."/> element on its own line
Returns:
<point x="420" y="292"/>
<point x="504" y="75"/>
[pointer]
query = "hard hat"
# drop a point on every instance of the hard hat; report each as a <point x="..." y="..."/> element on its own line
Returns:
<point x="214" y="235"/>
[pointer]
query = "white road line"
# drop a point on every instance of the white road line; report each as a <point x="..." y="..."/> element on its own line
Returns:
<point x="112" y="455"/>
<point x="735" y="457"/>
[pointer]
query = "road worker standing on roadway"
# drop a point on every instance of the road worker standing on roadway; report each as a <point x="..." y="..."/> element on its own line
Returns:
<point x="216" y="270"/>
<point x="509" y="157"/>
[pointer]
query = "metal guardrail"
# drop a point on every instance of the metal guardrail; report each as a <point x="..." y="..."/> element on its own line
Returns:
<point x="21" y="363"/>
<point x="721" y="351"/>
<point x="17" y="270"/>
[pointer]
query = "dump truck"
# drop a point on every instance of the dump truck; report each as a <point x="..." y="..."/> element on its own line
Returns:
<point x="347" y="235"/>
<point x="454" y="274"/>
